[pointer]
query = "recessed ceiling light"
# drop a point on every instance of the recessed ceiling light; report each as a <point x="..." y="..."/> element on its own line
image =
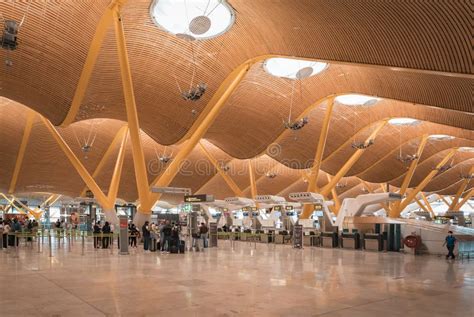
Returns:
<point x="357" y="100"/>
<point x="466" y="149"/>
<point x="293" y="68"/>
<point x="193" y="19"/>
<point x="440" y="137"/>
<point x="404" y="121"/>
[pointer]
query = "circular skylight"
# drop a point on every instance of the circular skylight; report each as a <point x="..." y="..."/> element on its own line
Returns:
<point x="404" y="121"/>
<point x="466" y="149"/>
<point x="357" y="100"/>
<point x="440" y="137"/>
<point x="193" y="19"/>
<point x="293" y="68"/>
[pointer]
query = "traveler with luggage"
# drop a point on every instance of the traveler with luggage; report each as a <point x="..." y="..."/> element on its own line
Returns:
<point x="174" y="239"/>
<point x="146" y="236"/>
<point x="203" y="230"/>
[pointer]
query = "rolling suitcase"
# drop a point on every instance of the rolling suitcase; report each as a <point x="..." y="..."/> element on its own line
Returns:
<point x="174" y="249"/>
<point x="182" y="246"/>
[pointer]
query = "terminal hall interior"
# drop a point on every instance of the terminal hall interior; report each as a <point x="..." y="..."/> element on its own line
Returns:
<point x="236" y="158"/>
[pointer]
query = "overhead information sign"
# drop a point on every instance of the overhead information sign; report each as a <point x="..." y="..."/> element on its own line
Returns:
<point x="171" y="190"/>
<point x="198" y="198"/>
<point x="318" y="207"/>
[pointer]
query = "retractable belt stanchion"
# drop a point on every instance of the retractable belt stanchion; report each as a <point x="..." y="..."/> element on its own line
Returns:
<point x="50" y="244"/>
<point x="68" y="235"/>
<point x="17" y="242"/>
<point x="83" y="243"/>
<point x="39" y="242"/>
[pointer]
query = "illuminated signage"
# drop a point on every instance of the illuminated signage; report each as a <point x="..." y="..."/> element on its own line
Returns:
<point x="277" y="208"/>
<point x="289" y="207"/>
<point x="198" y="198"/>
<point x="318" y="207"/>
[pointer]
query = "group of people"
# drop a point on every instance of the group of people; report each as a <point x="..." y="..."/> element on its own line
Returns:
<point x="165" y="234"/>
<point x="103" y="235"/>
<point x="8" y="226"/>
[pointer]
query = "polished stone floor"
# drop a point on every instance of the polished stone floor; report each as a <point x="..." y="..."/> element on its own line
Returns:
<point x="266" y="281"/>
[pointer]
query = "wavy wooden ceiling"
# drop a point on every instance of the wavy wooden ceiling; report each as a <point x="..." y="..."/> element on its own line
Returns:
<point x="418" y="55"/>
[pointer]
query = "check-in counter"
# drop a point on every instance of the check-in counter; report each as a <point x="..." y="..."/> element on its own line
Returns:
<point x="350" y="241"/>
<point x="266" y="237"/>
<point x="246" y="235"/>
<point x="311" y="240"/>
<point x="282" y="237"/>
<point x="329" y="239"/>
<point x="373" y="242"/>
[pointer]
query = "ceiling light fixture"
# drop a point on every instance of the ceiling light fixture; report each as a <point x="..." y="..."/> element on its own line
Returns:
<point x="440" y="137"/>
<point x="357" y="100"/>
<point x="466" y="149"/>
<point x="293" y="68"/>
<point x="196" y="19"/>
<point x="404" y="121"/>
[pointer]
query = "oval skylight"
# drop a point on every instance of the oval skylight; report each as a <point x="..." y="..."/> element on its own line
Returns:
<point x="404" y="121"/>
<point x="193" y="19"/>
<point x="357" y="100"/>
<point x="293" y="68"/>
<point x="466" y="149"/>
<point x="440" y="137"/>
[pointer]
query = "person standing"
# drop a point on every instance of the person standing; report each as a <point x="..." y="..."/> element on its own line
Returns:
<point x="167" y="237"/>
<point x="97" y="231"/>
<point x="203" y="230"/>
<point x="146" y="236"/>
<point x="2" y="244"/>
<point x="6" y="230"/>
<point x="450" y="243"/>
<point x="106" y="237"/>
<point x="133" y="236"/>
<point x="162" y="235"/>
<point x="17" y="230"/>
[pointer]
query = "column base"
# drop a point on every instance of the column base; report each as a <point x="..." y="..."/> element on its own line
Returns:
<point x="140" y="218"/>
<point x="111" y="216"/>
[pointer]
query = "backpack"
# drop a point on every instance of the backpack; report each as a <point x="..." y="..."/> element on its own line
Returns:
<point x="167" y="231"/>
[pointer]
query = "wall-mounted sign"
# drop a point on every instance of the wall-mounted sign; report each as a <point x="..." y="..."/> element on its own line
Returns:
<point x="198" y="198"/>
